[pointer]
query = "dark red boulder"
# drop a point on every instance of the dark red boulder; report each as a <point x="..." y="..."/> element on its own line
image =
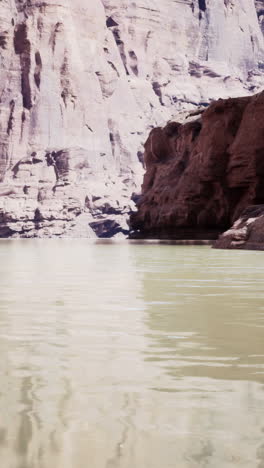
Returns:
<point x="200" y="176"/>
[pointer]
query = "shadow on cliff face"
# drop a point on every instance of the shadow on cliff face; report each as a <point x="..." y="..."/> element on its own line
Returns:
<point x="201" y="175"/>
<point x="22" y="48"/>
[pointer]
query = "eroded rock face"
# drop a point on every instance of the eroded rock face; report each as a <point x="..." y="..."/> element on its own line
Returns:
<point x="246" y="233"/>
<point x="201" y="175"/>
<point x="83" y="81"/>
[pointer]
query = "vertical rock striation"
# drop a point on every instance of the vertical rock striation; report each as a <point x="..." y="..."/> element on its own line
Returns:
<point x="81" y="84"/>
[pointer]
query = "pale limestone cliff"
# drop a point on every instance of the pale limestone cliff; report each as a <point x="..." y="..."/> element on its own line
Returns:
<point x="82" y="82"/>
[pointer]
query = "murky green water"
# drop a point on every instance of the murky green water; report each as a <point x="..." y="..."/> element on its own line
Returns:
<point x="130" y="356"/>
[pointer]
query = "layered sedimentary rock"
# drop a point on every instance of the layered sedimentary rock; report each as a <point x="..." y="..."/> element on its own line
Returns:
<point x="201" y="175"/>
<point x="83" y="81"/>
<point x="246" y="233"/>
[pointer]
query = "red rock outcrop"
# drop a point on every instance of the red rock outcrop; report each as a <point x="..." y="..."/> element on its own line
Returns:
<point x="200" y="176"/>
<point x="246" y="233"/>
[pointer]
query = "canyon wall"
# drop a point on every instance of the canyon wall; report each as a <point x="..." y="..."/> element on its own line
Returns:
<point x="83" y="82"/>
<point x="201" y="175"/>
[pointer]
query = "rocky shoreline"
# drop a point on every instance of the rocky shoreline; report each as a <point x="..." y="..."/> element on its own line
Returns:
<point x="247" y="233"/>
<point x="202" y="175"/>
<point x="83" y="83"/>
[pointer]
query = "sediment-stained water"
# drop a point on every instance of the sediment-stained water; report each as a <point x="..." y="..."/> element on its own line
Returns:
<point x="130" y="356"/>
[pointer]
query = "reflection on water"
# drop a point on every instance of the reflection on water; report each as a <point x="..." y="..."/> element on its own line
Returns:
<point x="130" y="356"/>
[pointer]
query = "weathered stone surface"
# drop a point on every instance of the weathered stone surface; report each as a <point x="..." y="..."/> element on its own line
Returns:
<point x="246" y="233"/>
<point x="83" y="82"/>
<point x="201" y="175"/>
<point x="110" y="227"/>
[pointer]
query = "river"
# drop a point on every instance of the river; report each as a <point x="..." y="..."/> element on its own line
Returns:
<point x="130" y="356"/>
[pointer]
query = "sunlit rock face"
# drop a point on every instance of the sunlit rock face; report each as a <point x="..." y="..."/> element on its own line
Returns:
<point x="82" y="83"/>
<point x="246" y="233"/>
<point x="189" y="51"/>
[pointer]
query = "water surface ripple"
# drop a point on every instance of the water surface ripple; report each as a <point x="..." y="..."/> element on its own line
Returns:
<point x="130" y="356"/>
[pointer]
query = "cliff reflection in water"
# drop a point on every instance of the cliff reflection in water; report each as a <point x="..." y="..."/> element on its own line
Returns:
<point x="206" y="319"/>
<point x="209" y="317"/>
<point x="130" y="355"/>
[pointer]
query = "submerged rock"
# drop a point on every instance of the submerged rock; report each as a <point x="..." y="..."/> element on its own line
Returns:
<point x="202" y="175"/>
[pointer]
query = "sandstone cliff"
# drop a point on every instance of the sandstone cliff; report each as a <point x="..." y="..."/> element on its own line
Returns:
<point x="83" y="81"/>
<point x="202" y="174"/>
